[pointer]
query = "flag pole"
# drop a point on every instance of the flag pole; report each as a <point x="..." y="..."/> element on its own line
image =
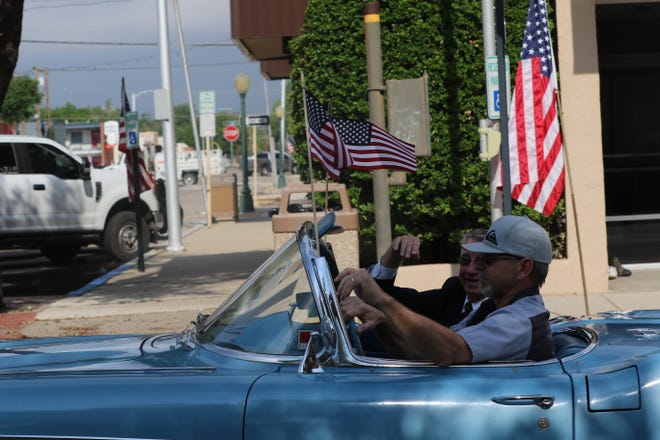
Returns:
<point x="136" y="201"/>
<point x="560" y="114"/>
<point x="309" y="162"/>
<point x="575" y="217"/>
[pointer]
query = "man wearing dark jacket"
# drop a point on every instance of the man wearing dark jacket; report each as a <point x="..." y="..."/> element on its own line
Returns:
<point x="458" y="297"/>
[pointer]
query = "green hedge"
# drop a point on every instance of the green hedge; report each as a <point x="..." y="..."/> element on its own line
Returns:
<point x="450" y="192"/>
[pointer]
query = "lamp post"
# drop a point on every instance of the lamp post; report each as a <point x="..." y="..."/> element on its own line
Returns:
<point x="279" y="112"/>
<point x="242" y="83"/>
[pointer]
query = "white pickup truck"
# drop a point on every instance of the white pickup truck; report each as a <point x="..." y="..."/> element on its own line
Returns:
<point x="51" y="199"/>
<point x="187" y="166"/>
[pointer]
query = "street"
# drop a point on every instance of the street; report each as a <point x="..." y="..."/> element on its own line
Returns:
<point x="28" y="278"/>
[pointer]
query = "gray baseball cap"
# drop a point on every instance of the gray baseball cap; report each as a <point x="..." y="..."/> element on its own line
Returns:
<point x="515" y="235"/>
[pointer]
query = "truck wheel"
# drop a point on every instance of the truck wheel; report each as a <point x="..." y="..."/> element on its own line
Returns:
<point x="60" y="254"/>
<point x="264" y="170"/>
<point x="189" y="178"/>
<point x="120" y="238"/>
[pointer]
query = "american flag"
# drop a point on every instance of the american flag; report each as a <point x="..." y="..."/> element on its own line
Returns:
<point x="146" y="179"/>
<point x="535" y="146"/>
<point x="325" y="143"/>
<point x="348" y="143"/>
<point x="372" y="148"/>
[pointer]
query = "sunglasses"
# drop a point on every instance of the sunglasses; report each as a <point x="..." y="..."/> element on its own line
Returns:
<point x="487" y="259"/>
<point x="466" y="260"/>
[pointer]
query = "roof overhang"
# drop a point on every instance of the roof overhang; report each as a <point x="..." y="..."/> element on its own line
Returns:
<point x="262" y="30"/>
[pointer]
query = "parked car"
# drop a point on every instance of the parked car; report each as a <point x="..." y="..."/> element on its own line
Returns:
<point x="264" y="166"/>
<point x="51" y="199"/>
<point x="276" y="361"/>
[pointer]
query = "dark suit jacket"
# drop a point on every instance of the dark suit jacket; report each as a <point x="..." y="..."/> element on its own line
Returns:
<point x="443" y="305"/>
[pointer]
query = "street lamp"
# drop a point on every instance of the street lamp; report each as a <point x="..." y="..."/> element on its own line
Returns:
<point x="134" y="97"/>
<point x="242" y="83"/>
<point x="279" y="112"/>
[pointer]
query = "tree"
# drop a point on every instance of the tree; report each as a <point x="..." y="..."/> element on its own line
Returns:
<point x="11" y="24"/>
<point x="71" y="113"/>
<point x="450" y="192"/>
<point x="21" y="100"/>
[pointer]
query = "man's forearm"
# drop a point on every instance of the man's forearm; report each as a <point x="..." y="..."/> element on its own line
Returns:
<point x="413" y="336"/>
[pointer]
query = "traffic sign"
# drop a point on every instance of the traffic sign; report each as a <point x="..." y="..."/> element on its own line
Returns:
<point x="207" y="113"/>
<point x="132" y="138"/>
<point x="207" y="102"/>
<point x="257" y="120"/>
<point x="231" y="133"/>
<point x="493" y="85"/>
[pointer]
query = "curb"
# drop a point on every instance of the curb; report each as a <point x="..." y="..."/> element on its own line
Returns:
<point x="116" y="271"/>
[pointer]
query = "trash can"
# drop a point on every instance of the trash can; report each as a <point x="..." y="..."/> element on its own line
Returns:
<point x="224" y="197"/>
<point x="296" y="208"/>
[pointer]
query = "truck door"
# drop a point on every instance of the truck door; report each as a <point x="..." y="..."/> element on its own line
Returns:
<point x="55" y="194"/>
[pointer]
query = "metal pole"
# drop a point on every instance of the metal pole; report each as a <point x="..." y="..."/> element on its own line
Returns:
<point x="245" y="202"/>
<point x="371" y="13"/>
<point x="255" y="164"/>
<point x="231" y="153"/>
<point x="282" y="181"/>
<point x="138" y="214"/>
<point x="191" y="106"/>
<point x="37" y="124"/>
<point x="207" y="198"/>
<point x="488" y="25"/>
<point x="169" y="138"/>
<point x="504" y="106"/>
<point x="271" y="141"/>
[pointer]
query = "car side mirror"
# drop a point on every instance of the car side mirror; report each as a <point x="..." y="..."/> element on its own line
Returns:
<point x="85" y="169"/>
<point x="314" y="353"/>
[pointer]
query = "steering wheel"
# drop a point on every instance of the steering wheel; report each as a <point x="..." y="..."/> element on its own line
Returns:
<point x="354" y="338"/>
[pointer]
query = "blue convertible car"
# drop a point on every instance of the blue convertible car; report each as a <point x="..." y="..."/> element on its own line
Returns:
<point x="275" y="361"/>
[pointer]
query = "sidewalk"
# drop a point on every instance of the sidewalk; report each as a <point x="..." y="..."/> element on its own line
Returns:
<point x="641" y="290"/>
<point x="176" y="286"/>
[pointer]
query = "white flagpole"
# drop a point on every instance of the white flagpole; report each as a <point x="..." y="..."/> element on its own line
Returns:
<point x="309" y="162"/>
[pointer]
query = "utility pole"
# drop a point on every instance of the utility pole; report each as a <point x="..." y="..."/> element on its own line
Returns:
<point x="371" y="14"/>
<point x="37" y="115"/>
<point x="38" y="72"/>
<point x="169" y="138"/>
<point x="500" y="31"/>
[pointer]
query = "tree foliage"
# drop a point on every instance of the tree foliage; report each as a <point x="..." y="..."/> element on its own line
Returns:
<point x="71" y="113"/>
<point x="21" y="100"/>
<point x="11" y="23"/>
<point x="449" y="194"/>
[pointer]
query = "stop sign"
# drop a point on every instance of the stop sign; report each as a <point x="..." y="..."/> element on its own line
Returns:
<point x="230" y="133"/>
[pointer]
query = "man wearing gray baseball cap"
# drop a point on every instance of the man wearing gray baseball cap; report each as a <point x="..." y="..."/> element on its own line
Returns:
<point x="511" y="325"/>
<point x="514" y="259"/>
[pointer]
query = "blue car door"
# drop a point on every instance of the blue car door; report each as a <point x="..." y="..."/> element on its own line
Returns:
<point x="494" y="401"/>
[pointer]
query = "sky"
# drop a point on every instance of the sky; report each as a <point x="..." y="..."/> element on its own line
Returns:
<point x="88" y="75"/>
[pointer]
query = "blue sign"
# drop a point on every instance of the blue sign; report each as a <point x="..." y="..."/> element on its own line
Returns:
<point x="132" y="130"/>
<point x="493" y="85"/>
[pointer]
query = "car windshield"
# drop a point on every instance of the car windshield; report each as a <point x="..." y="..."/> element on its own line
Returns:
<point x="272" y="313"/>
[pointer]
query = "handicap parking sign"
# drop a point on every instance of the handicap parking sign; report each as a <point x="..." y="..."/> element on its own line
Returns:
<point x="132" y="138"/>
<point x="132" y="130"/>
<point x="493" y="85"/>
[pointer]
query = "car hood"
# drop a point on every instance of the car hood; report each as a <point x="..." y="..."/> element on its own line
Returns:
<point x="80" y="353"/>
